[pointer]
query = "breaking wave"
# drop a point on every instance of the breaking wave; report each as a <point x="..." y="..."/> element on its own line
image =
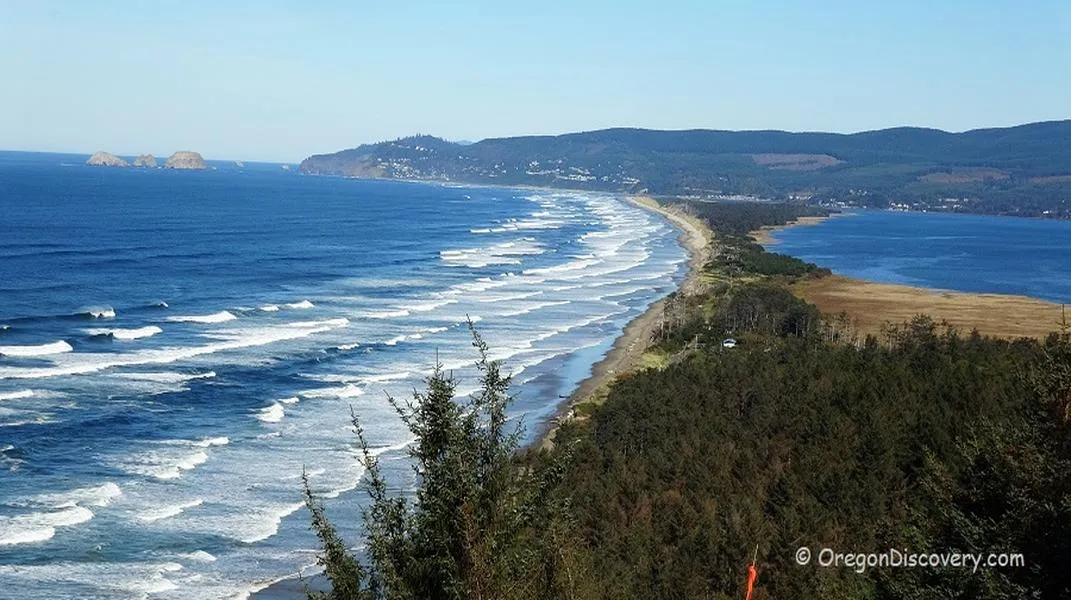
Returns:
<point x="126" y="334"/>
<point x="271" y="414"/>
<point x="219" y="317"/>
<point x="41" y="350"/>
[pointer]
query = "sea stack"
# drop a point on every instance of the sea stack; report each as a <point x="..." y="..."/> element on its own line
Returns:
<point x="185" y="160"/>
<point x="145" y="160"/>
<point x="106" y="159"/>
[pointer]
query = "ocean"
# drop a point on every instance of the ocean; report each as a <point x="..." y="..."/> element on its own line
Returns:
<point x="176" y="347"/>
<point x="967" y="253"/>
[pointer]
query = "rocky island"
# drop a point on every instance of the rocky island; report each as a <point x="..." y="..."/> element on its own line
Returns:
<point x="185" y="160"/>
<point x="145" y="160"/>
<point x="106" y="159"/>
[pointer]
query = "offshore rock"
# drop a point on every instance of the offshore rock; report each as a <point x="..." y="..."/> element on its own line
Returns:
<point x="106" y="159"/>
<point x="145" y="160"/>
<point x="185" y="160"/>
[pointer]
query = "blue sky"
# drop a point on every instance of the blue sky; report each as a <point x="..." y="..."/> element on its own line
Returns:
<point x="280" y="80"/>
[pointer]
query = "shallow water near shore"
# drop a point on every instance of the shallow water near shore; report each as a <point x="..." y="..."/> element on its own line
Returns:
<point x="967" y="253"/>
<point x="175" y="347"/>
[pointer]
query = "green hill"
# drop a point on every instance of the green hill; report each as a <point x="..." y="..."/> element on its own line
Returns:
<point x="1023" y="170"/>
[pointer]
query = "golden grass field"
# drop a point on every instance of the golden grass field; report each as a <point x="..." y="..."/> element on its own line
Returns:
<point x="870" y="305"/>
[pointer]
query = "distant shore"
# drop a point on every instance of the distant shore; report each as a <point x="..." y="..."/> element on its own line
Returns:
<point x="872" y="305"/>
<point x="765" y="235"/>
<point x="629" y="347"/>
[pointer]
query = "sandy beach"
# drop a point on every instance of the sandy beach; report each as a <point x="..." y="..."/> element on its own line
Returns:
<point x="629" y="347"/>
<point x="765" y="235"/>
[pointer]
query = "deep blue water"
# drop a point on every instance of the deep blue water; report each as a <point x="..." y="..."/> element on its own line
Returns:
<point x="969" y="253"/>
<point x="176" y="346"/>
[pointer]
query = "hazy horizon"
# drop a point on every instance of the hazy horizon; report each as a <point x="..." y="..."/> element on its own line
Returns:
<point x="273" y="82"/>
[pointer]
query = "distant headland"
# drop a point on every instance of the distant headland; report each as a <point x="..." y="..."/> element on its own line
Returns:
<point x="1023" y="170"/>
<point x="182" y="159"/>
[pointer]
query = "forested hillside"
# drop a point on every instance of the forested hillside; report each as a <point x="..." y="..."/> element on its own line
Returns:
<point x="1021" y="170"/>
<point x="922" y="440"/>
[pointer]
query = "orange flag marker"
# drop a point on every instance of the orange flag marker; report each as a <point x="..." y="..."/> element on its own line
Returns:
<point x="752" y="574"/>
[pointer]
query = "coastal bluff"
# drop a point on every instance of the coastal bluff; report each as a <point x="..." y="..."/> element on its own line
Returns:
<point x="185" y="160"/>
<point x="106" y="159"/>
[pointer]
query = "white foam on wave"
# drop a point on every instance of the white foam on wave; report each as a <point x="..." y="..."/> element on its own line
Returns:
<point x="346" y="391"/>
<point x="99" y="312"/>
<point x="190" y="461"/>
<point x="384" y="377"/>
<point x="40" y="526"/>
<point x="271" y="414"/>
<point x="304" y="304"/>
<point x="290" y="400"/>
<point x="92" y="363"/>
<point x="394" y="341"/>
<point x="168" y="511"/>
<point x="480" y="285"/>
<point x="97" y="495"/>
<point x="575" y="265"/>
<point x="356" y="480"/>
<point x="61" y="509"/>
<point x="339" y="322"/>
<point x="266" y="521"/>
<point x="534" y="307"/>
<point x="163" y="464"/>
<point x="40" y="350"/>
<point x="212" y="441"/>
<point x="384" y="314"/>
<point x="219" y="317"/>
<point x="348" y="346"/>
<point x="270" y="308"/>
<point x="20" y="394"/>
<point x="200" y="556"/>
<point x="505" y="253"/>
<point x="126" y="334"/>
<point x="428" y="306"/>
<point x="166" y="376"/>
<point x="506" y="297"/>
<point x="112" y="579"/>
<point x="414" y="336"/>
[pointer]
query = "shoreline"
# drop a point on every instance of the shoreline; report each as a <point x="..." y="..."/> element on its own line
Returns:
<point x="871" y="305"/>
<point x="622" y="357"/>
<point x="629" y="347"/>
<point x="764" y="235"/>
